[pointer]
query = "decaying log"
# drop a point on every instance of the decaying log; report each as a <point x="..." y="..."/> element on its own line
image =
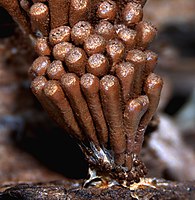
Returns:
<point x="66" y="190"/>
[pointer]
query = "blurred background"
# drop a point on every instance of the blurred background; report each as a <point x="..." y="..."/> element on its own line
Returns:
<point x="33" y="148"/>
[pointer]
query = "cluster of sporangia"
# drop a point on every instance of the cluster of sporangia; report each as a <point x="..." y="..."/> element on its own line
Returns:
<point x="94" y="76"/>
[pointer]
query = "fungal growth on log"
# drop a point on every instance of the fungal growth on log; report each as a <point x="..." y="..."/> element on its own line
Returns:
<point x="94" y="76"/>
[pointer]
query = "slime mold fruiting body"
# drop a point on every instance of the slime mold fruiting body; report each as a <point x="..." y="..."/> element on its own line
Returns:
<point x="94" y="76"/>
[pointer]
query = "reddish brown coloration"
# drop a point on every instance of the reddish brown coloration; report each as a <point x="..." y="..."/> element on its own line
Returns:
<point x="97" y="65"/>
<point x="37" y="86"/>
<point x="39" y="66"/>
<point x="107" y="10"/>
<point x="61" y="49"/>
<point x="95" y="39"/>
<point x="105" y="29"/>
<point x="151" y="61"/>
<point x="81" y="31"/>
<point x="152" y="88"/>
<point x="145" y="34"/>
<point x="125" y="74"/>
<point x="110" y="96"/>
<point x="90" y="88"/>
<point x="142" y="2"/>
<point x="132" y="13"/>
<point x="138" y="58"/>
<point x="94" y="44"/>
<point x="119" y="27"/>
<point x="59" y="34"/>
<point x="134" y="110"/>
<point x="78" y="11"/>
<point x="76" y="61"/>
<point x="55" y="70"/>
<point x="71" y="86"/>
<point x="14" y="10"/>
<point x="39" y="1"/>
<point x="128" y="36"/>
<point x="56" y="95"/>
<point x="42" y="47"/>
<point x="115" y="50"/>
<point x="58" y="12"/>
<point x="39" y="15"/>
<point x="25" y="4"/>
